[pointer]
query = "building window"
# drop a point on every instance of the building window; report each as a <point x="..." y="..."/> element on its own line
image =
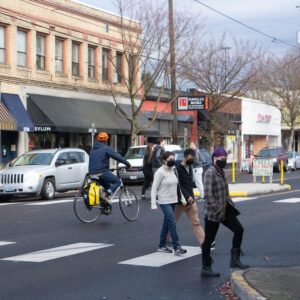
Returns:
<point x="119" y="67"/>
<point x="91" y="62"/>
<point x="106" y="28"/>
<point x="22" y="48"/>
<point x="2" y="45"/>
<point x="59" y="56"/>
<point x="75" y="59"/>
<point x="40" y="52"/>
<point x="104" y="65"/>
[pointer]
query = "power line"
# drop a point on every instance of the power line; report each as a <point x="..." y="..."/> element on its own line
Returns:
<point x="273" y="38"/>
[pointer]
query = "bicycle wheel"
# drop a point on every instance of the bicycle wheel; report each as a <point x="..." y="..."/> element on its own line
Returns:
<point x="84" y="213"/>
<point x="129" y="204"/>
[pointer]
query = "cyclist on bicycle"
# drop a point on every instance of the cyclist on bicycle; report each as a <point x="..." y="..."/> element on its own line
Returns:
<point x="99" y="164"/>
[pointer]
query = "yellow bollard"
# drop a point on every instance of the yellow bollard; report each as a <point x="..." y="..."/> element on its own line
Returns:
<point x="263" y="179"/>
<point x="281" y="169"/>
<point x="233" y="173"/>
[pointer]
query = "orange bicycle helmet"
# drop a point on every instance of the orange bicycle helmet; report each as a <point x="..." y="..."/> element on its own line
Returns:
<point x="102" y="137"/>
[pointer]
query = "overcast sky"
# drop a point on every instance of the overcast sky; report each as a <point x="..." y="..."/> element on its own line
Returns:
<point x="277" y="18"/>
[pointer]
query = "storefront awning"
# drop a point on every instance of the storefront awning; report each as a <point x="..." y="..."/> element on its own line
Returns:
<point x="60" y="114"/>
<point x="17" y="110"/>
<point x="7" y="121"/>
<point x="141" y="120"/>
<point x="169" y="117"/>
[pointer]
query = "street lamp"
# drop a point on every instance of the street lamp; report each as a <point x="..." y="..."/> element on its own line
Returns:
<point x="93" y="131"/>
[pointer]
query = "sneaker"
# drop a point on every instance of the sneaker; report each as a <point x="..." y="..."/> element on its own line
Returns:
<point x="179" y="251"/>
<point x="164" y="249"/>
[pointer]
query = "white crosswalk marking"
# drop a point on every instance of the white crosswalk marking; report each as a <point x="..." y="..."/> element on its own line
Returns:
<point x="54" y="253"/>
<point x="4" y="243"/>
<point x="50" y="202"/>
<point x="158" y="259"/>
<point x="290" y="200"/>
<point x="240" y="199"/>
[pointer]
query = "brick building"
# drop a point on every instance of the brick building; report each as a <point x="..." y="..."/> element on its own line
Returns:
<point x="58" y="61"/>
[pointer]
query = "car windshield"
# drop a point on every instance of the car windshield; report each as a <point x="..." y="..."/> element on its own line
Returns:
<point x="268" y="152"/>
<point x="134" y="153"/>
<point x="178" y="155"/>
<point x="289" y="154"/>
<point x="34" y="159"/>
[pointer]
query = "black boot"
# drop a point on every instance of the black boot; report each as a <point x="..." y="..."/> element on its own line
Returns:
<point x="206" y="268"/>
<point x="235" y="259"/>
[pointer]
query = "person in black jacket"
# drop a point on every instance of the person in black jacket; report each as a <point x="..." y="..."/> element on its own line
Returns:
<point x="147" y="169"/>
<point x="99" y="164"/>
<point x="157" y="155"/>
<point x="186" y="179"/>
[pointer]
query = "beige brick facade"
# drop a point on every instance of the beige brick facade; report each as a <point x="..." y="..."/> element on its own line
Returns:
<point x="71" y="22"/>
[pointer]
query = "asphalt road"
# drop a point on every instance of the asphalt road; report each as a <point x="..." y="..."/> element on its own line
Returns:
<point x="271" y="239"/>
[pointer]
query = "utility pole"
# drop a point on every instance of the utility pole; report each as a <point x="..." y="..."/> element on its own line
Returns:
<point x="173" y="74"/>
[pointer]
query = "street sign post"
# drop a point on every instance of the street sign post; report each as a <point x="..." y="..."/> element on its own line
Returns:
<point x="93" y="131"/>
<point x="262" y="167"/>
<point x="192" y="103"/>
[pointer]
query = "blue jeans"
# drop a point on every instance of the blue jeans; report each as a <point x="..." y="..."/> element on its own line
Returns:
<point x="109" y="181"/>
<point x="169" y="224"/>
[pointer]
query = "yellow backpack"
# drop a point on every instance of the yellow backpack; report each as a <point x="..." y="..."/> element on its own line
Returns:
<point x="92" y="194"/>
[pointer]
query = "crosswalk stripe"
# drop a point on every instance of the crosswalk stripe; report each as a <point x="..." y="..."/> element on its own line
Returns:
<point x="4" y="243"/>
<point x="240" y="199"/>
<point x="158" y="259"/>
<point x="58" y="252"/>
<point x="290" y="200"/>
<point x="50" y="202"/>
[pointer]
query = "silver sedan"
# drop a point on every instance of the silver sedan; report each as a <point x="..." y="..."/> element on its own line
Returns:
<point x="43" y="172"/>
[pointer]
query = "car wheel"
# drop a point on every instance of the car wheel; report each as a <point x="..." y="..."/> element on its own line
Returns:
<point x="48" y="189"/>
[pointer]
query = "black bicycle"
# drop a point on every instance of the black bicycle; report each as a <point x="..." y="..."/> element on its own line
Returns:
<point x="127" y="199"/>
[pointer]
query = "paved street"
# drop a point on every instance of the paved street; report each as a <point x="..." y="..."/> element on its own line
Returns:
<point x="46" y="253"/>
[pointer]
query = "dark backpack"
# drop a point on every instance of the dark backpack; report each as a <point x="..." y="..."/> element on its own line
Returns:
<point x="156" y="157"/>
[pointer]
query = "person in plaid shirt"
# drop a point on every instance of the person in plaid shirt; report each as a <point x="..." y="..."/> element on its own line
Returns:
<point x="219" y="208"/>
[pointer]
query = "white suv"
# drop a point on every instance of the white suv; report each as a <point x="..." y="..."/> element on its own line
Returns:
<point x="135" y="157"/>
<point x="44" y="172"/>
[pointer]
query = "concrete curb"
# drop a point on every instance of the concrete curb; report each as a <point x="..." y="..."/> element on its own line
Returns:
<point x="254" y="192"/>
<point x="242" y="289"/>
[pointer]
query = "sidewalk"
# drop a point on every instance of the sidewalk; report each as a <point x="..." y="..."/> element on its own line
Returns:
<point x="248" y="189"/>
<point x="267" y="283"/>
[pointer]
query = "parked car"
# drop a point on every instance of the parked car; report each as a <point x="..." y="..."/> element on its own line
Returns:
<point x="44" y="172"/>
<point x="205" y="156"/>
<point x="135" y="156"/>
<point x="294" y="160"/>
<point x="277" y="154"/>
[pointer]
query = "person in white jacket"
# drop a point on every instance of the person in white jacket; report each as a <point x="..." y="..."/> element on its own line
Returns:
<point x="165" y="189"/>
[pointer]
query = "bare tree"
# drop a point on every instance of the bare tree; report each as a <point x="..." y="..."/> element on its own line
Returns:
<point x="222" y="73"/>
<point x="279" y="85"/>
<point x="145" y="46"/>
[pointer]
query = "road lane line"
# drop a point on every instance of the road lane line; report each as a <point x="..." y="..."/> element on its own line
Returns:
<point x="240" y="199"/>
<point x="58" y="252"/>
<point x="50" y="202"/>
<point x="4" y="243"/>
<point x="158" y="259"/>
<point x="289" y="200"/>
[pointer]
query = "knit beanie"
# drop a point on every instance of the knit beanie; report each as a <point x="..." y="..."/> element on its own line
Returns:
<point x="219" y="152"/>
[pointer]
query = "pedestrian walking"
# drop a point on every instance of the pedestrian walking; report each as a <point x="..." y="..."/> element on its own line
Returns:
<point x="219" y="208"/>
<point x="157" y="155"/>
<point x="198" y="169"/>
<point x="165" y="187"/>
<point x="147" y="169"/>
<point x="186" y="180"/>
